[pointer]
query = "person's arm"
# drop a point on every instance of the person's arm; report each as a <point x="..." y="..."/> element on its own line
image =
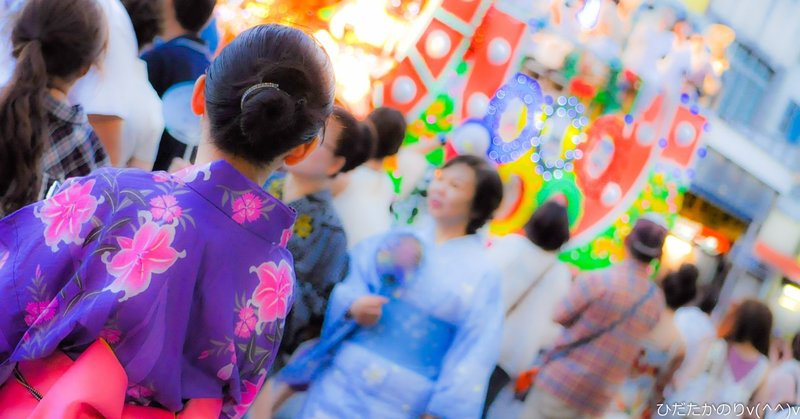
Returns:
<point x="460" y="390"/>
<point x="109" y="129"/>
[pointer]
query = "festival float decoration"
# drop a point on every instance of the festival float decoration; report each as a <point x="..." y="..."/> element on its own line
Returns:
<point x="578" y="128"/>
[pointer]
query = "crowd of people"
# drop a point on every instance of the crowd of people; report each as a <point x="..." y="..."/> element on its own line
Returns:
<point x="269" y="273"/>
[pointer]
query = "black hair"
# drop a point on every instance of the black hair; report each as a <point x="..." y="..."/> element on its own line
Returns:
<point x="354" y="143"/>
<point x="390" y="130"/>
<point x="680" y="287"/>
<point x="709" y="299"/>
<point x="53" y="40"/>
<point x="752" y="323"/>
<point x="193" y="15"/>
<point x="147" y="17"/>
<point x="289" y="83"/>
<point x="488" y="190"/>
<point x="548" y="228"/>
<point x="796" y="347"/>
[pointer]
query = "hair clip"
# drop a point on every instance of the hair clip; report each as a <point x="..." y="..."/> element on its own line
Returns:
<point x="255" y="88"/>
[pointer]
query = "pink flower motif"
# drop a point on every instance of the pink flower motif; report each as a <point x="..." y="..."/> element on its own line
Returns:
<point x="286" y="236"/>
<point x="161" y="177"/>
<point x="165" y="207"/>
<point x="246" y="208"/>
<point x="148" y="253"/>
<point x="65" y="213"/>
<point x="274" y="289"/>
<point x="204" y="355"/>
<point x="139" y="392"/>
<point x="40" y="312"/>
<point x="246" y="324"/>
<point x="225" y="372"/>
<point x="111" y="335"/>
<point x="249" y="393"/>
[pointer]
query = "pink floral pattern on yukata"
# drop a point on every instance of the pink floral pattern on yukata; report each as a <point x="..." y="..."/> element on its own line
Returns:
<point x="246" y="324"/>
<point x="225" y="372"/>
<point x="246" y="208"/>
<point x="286" y="236"/>
<point x="165" y="207"/>
<point x="65" y="213"/>
<point x="249" y="393"/>
<point x="111" y="336"/>
<point x="148" y="252"/>
<point x="274" y="290"/>
<point x="40" y="312"/>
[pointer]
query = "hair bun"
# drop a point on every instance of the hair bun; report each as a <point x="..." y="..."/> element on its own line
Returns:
<point x="267" y="111"/>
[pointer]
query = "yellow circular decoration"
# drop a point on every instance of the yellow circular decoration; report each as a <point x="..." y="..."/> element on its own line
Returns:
<point x="519" y="201"/>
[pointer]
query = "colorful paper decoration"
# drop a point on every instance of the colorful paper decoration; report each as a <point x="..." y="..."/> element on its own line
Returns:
<point x="528" y="92"/>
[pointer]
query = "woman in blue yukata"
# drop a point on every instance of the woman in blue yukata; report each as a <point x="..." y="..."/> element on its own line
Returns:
<point x="428" y="347"/>
<point x="185" y="277"/>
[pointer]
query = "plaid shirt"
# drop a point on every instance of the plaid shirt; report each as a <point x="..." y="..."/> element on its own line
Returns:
<point x="589" y="376"/>
<point x="73" y="148"/>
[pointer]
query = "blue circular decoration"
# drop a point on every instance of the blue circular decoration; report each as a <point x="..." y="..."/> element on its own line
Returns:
<point x="528" y="91"/>
<point x="684" y="98"/>
<point x="567" y="112"/>
<point x="702" y="153"/>
<point x="628" y="119"/>
<point x="663" y="143"/>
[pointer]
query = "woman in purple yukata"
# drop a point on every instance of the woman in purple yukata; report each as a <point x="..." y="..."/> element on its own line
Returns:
<point x="427" y="347"/>
<point x="185" y="276"/>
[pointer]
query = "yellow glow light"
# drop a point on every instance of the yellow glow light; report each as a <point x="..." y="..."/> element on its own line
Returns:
<point x="676" y="248"/>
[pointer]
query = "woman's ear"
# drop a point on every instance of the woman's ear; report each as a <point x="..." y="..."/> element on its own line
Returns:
<point x="299" y="153"/>
<point x="199" y="96"/>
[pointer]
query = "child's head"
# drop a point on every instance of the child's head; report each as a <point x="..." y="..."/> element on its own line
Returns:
<point x="548" y="228"/>
<point x="55" y="42"/>
<point x="191" y="15"/>
<point x="344" y="147"/>
<point x="267" y="95"/>
<point x="466" y="191"/>
<point x="390" y="129"/>
<point x="680" y="287"/>
<point x="147" y="17"/>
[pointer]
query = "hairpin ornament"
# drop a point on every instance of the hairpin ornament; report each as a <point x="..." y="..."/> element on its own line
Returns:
<point x="256" y="88"/>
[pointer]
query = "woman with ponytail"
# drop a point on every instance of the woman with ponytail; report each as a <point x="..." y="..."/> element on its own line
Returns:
<point x="43" y="139"/>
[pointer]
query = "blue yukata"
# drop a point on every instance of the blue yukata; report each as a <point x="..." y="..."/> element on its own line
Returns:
<point x="434" y="347"/>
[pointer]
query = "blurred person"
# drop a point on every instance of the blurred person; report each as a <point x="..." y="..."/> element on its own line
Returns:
<point x="45" y="140"/>
<point x="427" y="348"/>
<point x="147" y="17"/>
<point x="735" y="366"/>
<point x="662" y="351"/>
<point x="783" y="382"/>
<point x="183" y="280"/>
<point x="122" y="107"/>
<point x="606" y="316"/>
<point x="534" y="282"/>
<point x="319" y="244"/>
<point x="696" y="326"/>
<point x="178" y="62"/>
<point x="363" y="197"/>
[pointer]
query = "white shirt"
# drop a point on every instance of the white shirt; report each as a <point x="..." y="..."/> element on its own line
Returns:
<point x="119" y="86"/>
<point x="363" y="206"/>
<point x="530" y="327"/>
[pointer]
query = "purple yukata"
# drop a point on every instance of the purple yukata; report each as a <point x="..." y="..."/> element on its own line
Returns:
<point x="186" y="276"/>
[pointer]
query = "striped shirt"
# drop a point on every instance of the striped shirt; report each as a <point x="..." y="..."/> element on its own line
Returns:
<point x="589" y="376"/>
<point x="73" y="148"/>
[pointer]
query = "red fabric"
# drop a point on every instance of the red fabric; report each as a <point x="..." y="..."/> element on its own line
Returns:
<point x="93" y="386"/>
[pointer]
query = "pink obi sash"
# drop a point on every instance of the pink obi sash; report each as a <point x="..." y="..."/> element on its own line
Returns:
<point x="93" y="386"/>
